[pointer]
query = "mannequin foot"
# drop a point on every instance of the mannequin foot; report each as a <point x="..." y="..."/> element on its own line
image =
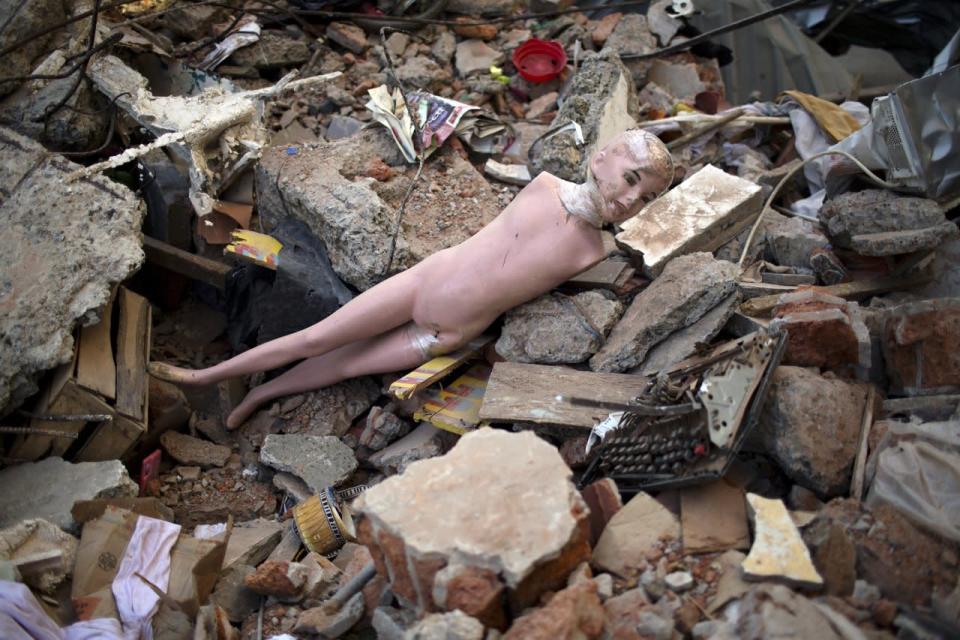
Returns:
<point x="176" y="375"/>
<point x="242" y="411"/>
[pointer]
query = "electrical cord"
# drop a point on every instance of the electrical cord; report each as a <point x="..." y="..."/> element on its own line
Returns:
<point x="773" y="195"/>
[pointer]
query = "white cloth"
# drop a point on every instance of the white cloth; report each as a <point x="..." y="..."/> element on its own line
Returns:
<point x="22" y="618"/>
<point x="148" y="554"/>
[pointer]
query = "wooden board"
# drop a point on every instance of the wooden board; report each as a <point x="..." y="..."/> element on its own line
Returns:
<point x="528" y="393"/>
<point x="435" y="369"/>
<point x="714" y="518"/>
<point x="34" y="446"/>
<point x="608" y="274"/>
<point x="133" y="344"/>
<point x="96" y="369"/>
<point x="112" y="439"/>
<point x="860" y="462"/>
<point x="186" y="263"/>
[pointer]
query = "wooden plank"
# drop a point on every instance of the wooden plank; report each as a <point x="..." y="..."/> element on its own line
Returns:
<point x="132" y="355"/>
<point x="112" y="439"/>
<point x="35" y="446"/>
<point x="714" y="518"/>
<point x="860" y="463"/>
<point x="455" y="408"/>
<point x="436" y="369"/>
<point x="96" y="369"/>
<point x="751" y="290"/>
<point x="927" y="408"/>
<point x="528" y="393"/>
<point x="848" y="290"/>
<point x="186" y="263"/>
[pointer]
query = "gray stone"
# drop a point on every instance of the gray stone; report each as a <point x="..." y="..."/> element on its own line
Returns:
<point x="652" y="625"/>
<point x="332" y="410"/>
<point x="316" y="621"/>
<point x="188" y="450"/>
<point x="602" y="100"/>
<point x="682" y="344"/>
<point x="790" y="241"/>
<point x="251" y="542"/>
<point x="702" y="213"/>
<point x="30" y="18"/>
<point x="661" y="22"/>
<point x="680" y="79"/>
<point x="771" y="611"/>
<point x="397" y="43"/>
<point x="558" y="329"/>
<point x="877" y="222"/>
<point x="632" y="35"/>
<point x="233" y="596"/>
<point x="382" y="428"/>
<point x="444" y="47"/>
<point x="481" y="7"/>
<point x="320" y="461"/>
<point x="476" y="56"/>
<point x="688" y="288"/>
<point x="426" y="441"/>
<point x="49" y="488"/>
<point x="391" y="623"/>
<point x="811" y="426"/>
<point x="31" y="538"/>
<point x="65" y="246"/>
<point x="423" y="73"/>
<point x="455" y="625"/>
<point x="275" y="49"/>
<point x="342" y="127"/>
<point x="679" y="581"/>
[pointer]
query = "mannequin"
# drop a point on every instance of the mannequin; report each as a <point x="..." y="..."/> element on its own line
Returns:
<point x="549" y="233"/>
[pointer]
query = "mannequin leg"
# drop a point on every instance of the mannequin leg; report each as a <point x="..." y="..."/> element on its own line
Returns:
<point x="393" y="351"/>
<point x="375" y="311"/>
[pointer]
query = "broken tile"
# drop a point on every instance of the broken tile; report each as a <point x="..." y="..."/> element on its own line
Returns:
<point x="714" y="518"/>
<point x="704" y="212"/>
<point x="778" y="551"/>
<point x="630" y="534"/>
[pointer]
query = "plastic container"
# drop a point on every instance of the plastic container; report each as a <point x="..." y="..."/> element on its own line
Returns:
<point x="539" y="60"/>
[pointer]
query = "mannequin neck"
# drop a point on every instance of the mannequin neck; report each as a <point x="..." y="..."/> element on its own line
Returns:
<point x="582" y="200"/>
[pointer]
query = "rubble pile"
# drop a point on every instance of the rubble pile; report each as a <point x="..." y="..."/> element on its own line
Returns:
<point x="739" y="420"/>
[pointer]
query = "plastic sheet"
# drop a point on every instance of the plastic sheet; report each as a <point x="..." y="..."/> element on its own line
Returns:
<point x="917" y="471"/>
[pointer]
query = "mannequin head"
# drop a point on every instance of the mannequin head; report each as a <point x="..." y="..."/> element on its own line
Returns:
<point x="633" y="169"/>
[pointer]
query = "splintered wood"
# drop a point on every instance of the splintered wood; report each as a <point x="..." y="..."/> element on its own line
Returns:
<point x="536" y="393"/>
<point x="436" y="369"/>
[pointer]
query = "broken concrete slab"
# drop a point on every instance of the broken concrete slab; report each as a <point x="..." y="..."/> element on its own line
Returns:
<point x="188" y="450"/>
<point x="325" y="187"/>
<point x="251" y="542"/>
<point x="771" y="611"/>
<point x="425" y="441"/>
<point x="558" y="329"/>
<point x="467" y="508"/>
<point x="454" y="625"/>
<point x="631" y="533"/>
<point x="790" y="242"/>
<point x="60" y="267"/>
<point x="41" y="551"/>
<point x="632" y="36"/>
<point x="877" y="222"/>
<point x="823" y="331"/>
<point x="920" y="347"/>
<point x="704" y="212"/>
<point x="64" y="483"/>
<point x="811" y="426"/>
<point x="688" y="288"/>
<point x="30" y="18"/>
<point x="320" y="461"/>
<point x="683" y="343"/>
<point x="778" y="551"/>
<point x="275" y="49"/>
<point x="602" y="100"/>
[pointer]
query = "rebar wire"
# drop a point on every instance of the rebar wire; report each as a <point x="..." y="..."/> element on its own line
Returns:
<point x="30" y="431"/>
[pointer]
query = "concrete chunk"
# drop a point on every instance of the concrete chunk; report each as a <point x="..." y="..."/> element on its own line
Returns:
<point x="64" y="245"/>
<point x="689" y="287"/>
<point x="920" y="347"/>
<point x="778" y="551"/>
<point x="320" y="461"/>
<point x="704" y="212"/>
<point x="474" y="506"/>
<point x="48" y="489"/>
<point x="631" y="533"/>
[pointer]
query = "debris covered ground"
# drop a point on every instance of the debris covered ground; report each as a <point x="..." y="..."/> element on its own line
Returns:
<point x="743" y="422"/>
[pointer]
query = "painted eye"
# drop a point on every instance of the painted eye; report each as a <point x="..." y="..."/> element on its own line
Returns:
<point x="630" y="179"/>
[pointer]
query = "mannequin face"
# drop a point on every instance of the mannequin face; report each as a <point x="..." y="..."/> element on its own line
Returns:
<point x="627" y="179"/>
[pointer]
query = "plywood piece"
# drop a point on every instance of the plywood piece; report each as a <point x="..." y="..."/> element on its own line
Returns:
<point x="528" y="393"/>
<point x="33" y="447"/>
<point x="860" y="462"/>
<point x="714" y="518"/>
<point x="132" y="354"/>
<point x="96" y="369"/>
<point x="455" y="408"/>
<point x="186" y="263"/>
<point x="436" y="369"/>
<point x="112" y="439"/>
<point x="70" y="400"/>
